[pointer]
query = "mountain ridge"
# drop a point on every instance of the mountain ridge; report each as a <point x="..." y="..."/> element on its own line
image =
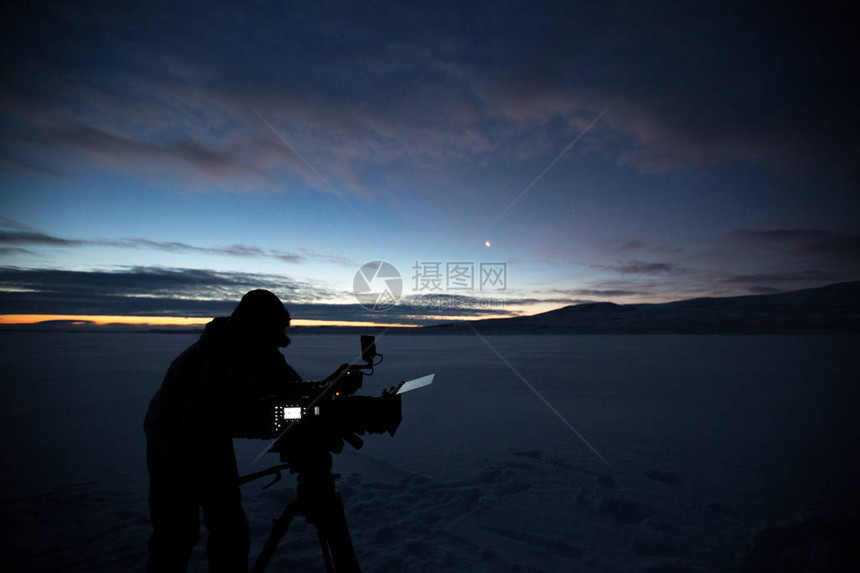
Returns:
<point x="829" y="309"/>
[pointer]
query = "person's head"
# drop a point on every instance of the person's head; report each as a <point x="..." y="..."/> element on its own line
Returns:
<point x="260" y="318"/>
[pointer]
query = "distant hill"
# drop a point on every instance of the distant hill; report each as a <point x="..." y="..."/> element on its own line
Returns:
<point x="830" y="309"/>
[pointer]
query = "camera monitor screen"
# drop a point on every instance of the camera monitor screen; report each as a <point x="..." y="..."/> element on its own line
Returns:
<point x="292" y="413"/>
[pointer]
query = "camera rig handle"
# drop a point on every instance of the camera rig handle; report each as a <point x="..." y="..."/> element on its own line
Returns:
<point x="263" y="473"/>
<point x="348" y="378"/>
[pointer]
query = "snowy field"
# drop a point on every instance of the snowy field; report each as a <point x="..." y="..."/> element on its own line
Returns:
<point x="724" y="453"/>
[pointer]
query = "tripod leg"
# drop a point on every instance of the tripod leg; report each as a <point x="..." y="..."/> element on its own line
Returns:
<point x="325" y="551"/>
<point x="339" y="541"/>
<point x="278" y="532"/>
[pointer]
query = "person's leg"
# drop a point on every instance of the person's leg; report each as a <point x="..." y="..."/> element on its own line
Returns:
<point x="229" y="538"/>
<point x="175" y="516"/>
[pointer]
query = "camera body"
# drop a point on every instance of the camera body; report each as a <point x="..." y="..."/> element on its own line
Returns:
<point x="313" y="397"/>
<point x="324" y="414"/>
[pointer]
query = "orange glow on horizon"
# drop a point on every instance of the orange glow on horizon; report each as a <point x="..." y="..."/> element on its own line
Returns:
<point x="313" y="322"/>
<point x="465" y="317"/>
<point x="102" y="320"/>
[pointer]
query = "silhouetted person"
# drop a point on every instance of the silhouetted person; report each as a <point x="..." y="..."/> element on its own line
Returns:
<point x="207" y="398"/>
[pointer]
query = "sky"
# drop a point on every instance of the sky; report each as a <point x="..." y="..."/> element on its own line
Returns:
<point x="159" y="160"/>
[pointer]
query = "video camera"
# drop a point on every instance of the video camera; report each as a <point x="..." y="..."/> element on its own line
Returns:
<point x="326" y="413"/>
<point x="317" y="420"/>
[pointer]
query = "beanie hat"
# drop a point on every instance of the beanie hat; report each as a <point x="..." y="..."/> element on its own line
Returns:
<point x="259" y="311"/>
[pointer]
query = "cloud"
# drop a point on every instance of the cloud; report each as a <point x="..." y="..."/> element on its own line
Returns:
<point x="802" y="242"/>
<point x="779" y="281"/>
<point x="568" y="295"/>
<point x="402" y="100"/>
<point x="333" y="258"/>
<point x="609" y="293"/>
<point x="156" y="291"/>
<point x="138" y="291"/>
<point x="806" y="276"/>
<point x="355" y="90"/>
<point x="17" y="240"/>
<point x="637" y="267"/>
<point x="15" y="251"/>
<point x="14" y="238"/>
<point x="638" y="245"/>
<point x="242" y="251"/>
<point x="287" y="257"/>
<point x="104" y="143"/>
<point x="632" y="245"/>
<point x="421" y="306"/>
<point x="683" y="98"/>
<point x="764" y="290"/>
<point x="10" y="224"/>
<point x="247" y="163"/>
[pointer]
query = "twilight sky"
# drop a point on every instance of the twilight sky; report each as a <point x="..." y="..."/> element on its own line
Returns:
<point x="161" y="160"/>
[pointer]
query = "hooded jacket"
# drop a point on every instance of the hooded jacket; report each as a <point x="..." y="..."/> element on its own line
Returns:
<point x="214" y="391"/>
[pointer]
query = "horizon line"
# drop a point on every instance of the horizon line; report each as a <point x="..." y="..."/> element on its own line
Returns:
<point x="106" y="320"/>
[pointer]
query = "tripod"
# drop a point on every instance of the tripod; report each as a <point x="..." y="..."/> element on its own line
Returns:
<point x="319" y="502"/>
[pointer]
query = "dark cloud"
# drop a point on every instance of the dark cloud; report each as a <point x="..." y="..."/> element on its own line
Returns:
<point x="668" y="281"/>
<point x="687" y="85"/>
<point x="803" y="242"/>
<point x="477" y="303"/>
<point x="769" y="282"/>
<point x="288" y="258"/>
<point x="36" y="238"/>
<point x="137" y="291"/>
<point x="105" y="143"/>
<point x="642" y="287"/>
<point x="17" y="239"/>
<point x="606" y="293"/>
<point x="691" y="85"/>
<point x="807" y="276"/>
<point x="154" y="291"/>
<point x="15" y="251"/>
<point x="239" y="162"/>
<point x="388" y="97"/>
<point x="29" y="167"/>
<point x="328" y="257"/>
<point x="133" y="281"/>
<point x="568" y="295"/>
<point x="764" y="290"/>
<point x="632" y="245"/>
<point x="10" y="224"/>
<point x="637" y="267"/>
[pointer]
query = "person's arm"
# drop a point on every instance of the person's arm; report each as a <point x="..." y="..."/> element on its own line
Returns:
<point x="262" y="384"/>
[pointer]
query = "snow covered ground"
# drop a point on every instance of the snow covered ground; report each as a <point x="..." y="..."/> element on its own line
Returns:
<point x="724" y="453"/>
